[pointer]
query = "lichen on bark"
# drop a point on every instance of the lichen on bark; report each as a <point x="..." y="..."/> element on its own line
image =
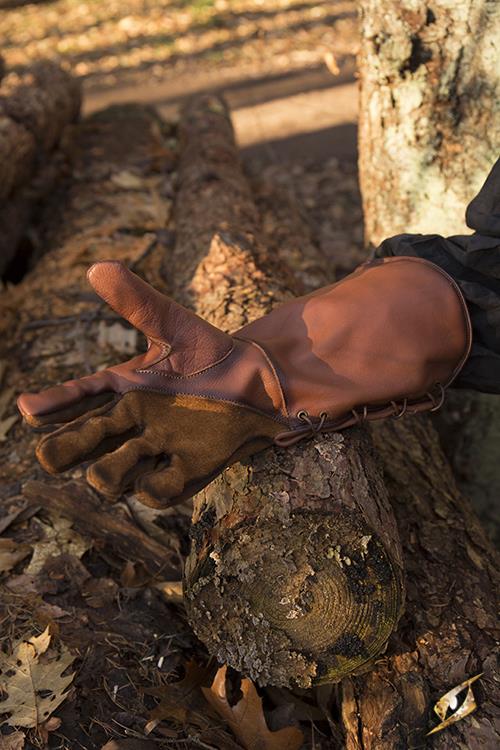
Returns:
<point x="292" y="585"/>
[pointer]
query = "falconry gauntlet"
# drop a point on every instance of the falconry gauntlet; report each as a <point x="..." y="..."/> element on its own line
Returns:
<point x="385" y="341"/>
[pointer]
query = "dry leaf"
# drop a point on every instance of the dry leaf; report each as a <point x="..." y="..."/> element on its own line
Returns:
<point x="123" y="340"/>
<point x="178" y="699"/>
<point x="171" y="590"/>
<point x="128" y="180"/>
<point x="51" y="725"/>
<point x="246" y="718"/>
<point x="59" y="538"/>
<point x="14" y="741"/>
<point x="11" y="553"/>
<point x="31" y="681"/>
<point x="449" y="702"/>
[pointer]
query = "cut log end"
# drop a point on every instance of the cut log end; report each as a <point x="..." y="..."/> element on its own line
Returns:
<point x="292" y="598"/>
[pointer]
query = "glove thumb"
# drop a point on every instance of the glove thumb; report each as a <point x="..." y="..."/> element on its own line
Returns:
<point x="193" y="344"/>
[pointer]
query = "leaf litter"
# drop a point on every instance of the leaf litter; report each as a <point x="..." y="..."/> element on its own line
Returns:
<point x="32" y="680"/>
<point x="246" y="718"/>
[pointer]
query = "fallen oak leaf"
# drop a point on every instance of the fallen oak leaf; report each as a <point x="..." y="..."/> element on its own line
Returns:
<point x="32" y="681"/>
<point x="246" y="719"/>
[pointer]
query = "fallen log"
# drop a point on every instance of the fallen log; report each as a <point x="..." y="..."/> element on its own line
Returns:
<point x="294" y="574"/>
<point x="95" y="519"/>
<point x="54" y="327"/>
<point x="36" y="107"/>
<point x="449" y="632"/>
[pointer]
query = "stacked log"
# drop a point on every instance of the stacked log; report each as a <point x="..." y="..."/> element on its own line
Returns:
<point x="36" y="106"/>
<point x="256" y="584"/>
<point x="295" y="570"/>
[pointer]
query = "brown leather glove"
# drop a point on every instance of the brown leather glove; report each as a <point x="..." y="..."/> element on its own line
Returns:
<point x="385" y="341"/>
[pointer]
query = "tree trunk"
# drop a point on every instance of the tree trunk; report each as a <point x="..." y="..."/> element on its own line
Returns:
<point x="294" y="573"/>
<point x="428" y="137"/>
<point x="429" y="114"/>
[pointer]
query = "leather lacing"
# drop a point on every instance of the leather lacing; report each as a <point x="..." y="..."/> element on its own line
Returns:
<point x="312" y="428"/>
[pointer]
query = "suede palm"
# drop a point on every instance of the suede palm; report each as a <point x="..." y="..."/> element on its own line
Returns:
<point x="130" y="443"/>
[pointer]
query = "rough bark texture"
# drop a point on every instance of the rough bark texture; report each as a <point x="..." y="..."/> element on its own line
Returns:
<point x="429" y="133"/>
<point x="294" y="574"/>
<point x="429" y="114"/>
<point x="54" y="328"/>
<point x="428" y="136"/>
<point x="449" y="631"/>
<point x="35" y="109"/>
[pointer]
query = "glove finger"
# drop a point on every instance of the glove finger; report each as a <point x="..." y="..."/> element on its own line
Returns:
<point x="86" y="406"/>
<point x="131" y="297"/>
<point x="161" y="487"/>
<point x="66" y="401"/>
<point x="159" y="317"/>
<point x="111" y="474"/>
<point x="84" y="438"/>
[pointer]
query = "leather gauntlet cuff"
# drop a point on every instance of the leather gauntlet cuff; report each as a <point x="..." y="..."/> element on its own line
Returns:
<point x="384" y="342"/>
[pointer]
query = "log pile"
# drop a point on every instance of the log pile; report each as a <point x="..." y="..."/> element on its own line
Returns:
<point x="295" y="573"/>
<point x="36" y="106"/>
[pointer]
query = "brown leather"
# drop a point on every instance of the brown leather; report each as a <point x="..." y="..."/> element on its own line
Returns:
<point x="394" y="331"/>
<point x="386" y="340"/>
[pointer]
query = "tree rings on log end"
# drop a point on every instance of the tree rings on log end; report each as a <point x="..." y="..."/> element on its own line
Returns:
<point x="294" y="603"/>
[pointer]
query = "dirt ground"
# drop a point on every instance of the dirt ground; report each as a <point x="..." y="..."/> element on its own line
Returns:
<point x="288" y="71"/>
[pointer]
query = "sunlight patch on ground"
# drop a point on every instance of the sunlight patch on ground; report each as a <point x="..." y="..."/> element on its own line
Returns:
<point x="102" y="41"/>
<point x="296" y="115"/>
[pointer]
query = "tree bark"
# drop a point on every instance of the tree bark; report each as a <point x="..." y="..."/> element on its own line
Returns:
<point x="36" y="107"/>
<point x="54" y="328"/>
<point x="294" y="573"/>
<point x="429" y="112"/>
<point x="429" y="133"/>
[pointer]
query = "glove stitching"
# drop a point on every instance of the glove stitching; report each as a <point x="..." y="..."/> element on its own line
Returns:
<point x="278" y="418"/>
<point x="148" y="371"/>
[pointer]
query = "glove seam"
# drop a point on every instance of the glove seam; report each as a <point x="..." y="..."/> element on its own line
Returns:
<point x="149" y="371"/>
